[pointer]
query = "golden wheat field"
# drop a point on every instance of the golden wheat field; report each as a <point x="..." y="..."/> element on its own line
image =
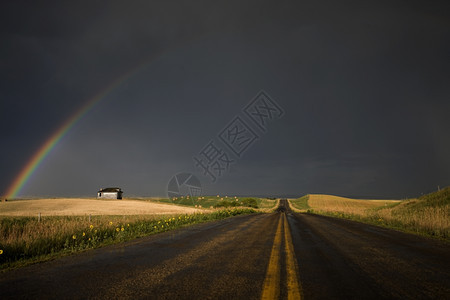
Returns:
<point x="83" y="206"/>
<point x="329" y="203"/>
<point x="429" y="214"/>
<point x="433" y="219"/>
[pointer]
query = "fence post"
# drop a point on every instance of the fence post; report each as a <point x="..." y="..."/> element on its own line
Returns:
<point x="39" y="217"/>
<point x="89" y="218"/>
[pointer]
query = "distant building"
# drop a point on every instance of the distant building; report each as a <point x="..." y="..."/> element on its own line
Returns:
<point x="109" y="193"/>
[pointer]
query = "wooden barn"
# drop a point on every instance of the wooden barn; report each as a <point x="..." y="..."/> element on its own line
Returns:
<point x="109" y="193"/>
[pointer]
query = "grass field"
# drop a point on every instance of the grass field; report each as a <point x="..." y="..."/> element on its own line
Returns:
<point x="329" y="203"/>
<point x="75" y="224"/>
<point x="215" y="201"/>
<point x="427" y="215"/>
<point x="24" y="240"/>
<point x="300" y="204"/>
<point x="83" y="206"/>
<point x="335" y="204"/>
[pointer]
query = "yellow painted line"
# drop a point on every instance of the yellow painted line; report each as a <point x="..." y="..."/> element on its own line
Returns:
<point x="293" y="286"/>
<point x="271" y="287"/>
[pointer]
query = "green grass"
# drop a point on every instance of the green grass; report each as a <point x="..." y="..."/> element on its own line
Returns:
<point x="246" y="202"/>
<point x="301" y="203"/>
<point x="266" y="203"/>
<point x="24" y="240"/>
<point x="221" y="201"/>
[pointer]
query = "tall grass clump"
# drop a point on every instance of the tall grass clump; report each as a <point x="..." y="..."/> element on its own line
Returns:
<point x="24" y="239"/>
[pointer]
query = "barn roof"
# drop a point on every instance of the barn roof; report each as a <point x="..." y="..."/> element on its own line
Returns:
<point x="110" y="190"/>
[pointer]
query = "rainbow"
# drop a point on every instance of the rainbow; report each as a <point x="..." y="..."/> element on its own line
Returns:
<point x="37" y="158"/>
<point x="43" y="151"/>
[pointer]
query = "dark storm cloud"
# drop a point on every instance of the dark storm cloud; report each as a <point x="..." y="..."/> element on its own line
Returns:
<point x="364" y="87"/>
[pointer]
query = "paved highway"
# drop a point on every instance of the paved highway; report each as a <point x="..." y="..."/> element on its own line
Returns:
<point x="282" y="255"/>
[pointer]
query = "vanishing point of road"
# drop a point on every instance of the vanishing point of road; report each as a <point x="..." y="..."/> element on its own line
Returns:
<point x="282" y="255"/>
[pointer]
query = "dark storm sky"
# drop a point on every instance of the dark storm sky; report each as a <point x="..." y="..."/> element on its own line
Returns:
<point x="365" y="87"/>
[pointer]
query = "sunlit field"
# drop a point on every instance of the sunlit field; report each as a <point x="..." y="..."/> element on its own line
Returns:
<point x="428" y="215"/>
<point x="27" y="239"/>
<point x="38" y="229"/>
<point x="329" y="203"/>
<point x="218" y="201"/>
<point x="85" y="206"/>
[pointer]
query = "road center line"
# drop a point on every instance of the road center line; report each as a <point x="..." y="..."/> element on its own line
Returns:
<point x="293" y="287"/>
<point x="271" y="287"/>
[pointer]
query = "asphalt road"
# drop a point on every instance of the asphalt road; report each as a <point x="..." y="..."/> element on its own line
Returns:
<point x="265" y="256"/>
